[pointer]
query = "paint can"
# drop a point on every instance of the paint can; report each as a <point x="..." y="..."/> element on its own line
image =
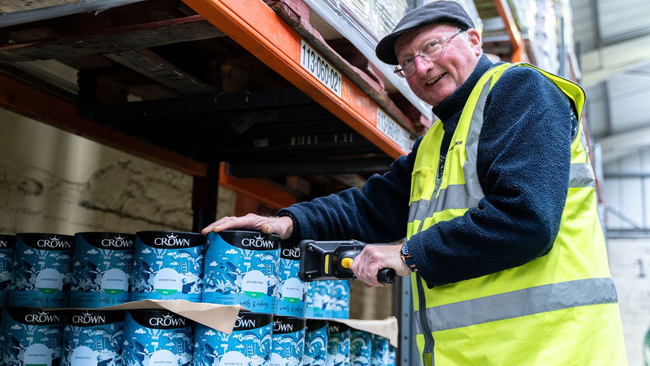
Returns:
<point x="316" y="339"/>
<point x="6" y="256"/>
<point x="360" y="348"/>
<point x="41" y="270"/>
<point x="241" y="268"/>
<point x="293" y="292"/>
<point x="31" y="336"/>
<point x="320" y="297"/>
<point x="339" y="304"/>
<point x="380" y="351"/>
<point x="156" y="337"/>
<point x="168" y="265"/>
<point x="338" y="345"/>
<point x="92" y="338"/>
<point x="102" y="264"/>
<point x="288" y="341"/>
<point x="249" y="344"/>
<point x="392" y="356"/>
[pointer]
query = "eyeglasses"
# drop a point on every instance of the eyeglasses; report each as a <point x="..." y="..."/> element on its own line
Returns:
<point x="430" y="52"/>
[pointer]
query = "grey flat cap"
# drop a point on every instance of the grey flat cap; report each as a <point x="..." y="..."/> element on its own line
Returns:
<point x="432" y="13"/>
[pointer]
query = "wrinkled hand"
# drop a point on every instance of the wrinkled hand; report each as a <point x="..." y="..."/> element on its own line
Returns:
<point x="374" y="258"/>
<point x="281" y="226"/>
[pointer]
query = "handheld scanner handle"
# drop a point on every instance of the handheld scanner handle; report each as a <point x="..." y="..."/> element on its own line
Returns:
<point x="386" y="275"/>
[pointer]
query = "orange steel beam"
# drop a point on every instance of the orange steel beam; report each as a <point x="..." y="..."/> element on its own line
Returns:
<point x="518" y="53"/>
<point x="255" y="26"/>
<point x="64" y="114"/>
<point x="256" y="189"/>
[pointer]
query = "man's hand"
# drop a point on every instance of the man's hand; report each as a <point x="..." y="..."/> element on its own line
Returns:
<point x="374" y="258"/>
<point x="281" y="226"/>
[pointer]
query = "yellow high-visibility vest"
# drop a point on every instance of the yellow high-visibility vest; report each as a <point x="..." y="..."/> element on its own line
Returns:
<point x="559" y="309"/>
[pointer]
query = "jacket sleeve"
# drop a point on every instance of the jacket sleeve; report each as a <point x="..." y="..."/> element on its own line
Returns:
<point x="523" y="165"/>
<point x="376" y="214"/>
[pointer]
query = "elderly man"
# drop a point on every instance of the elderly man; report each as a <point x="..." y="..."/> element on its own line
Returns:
<point x="497" y="203"/>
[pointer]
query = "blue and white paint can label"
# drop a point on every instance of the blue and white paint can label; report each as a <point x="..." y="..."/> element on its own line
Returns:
<point x="168" y="266"/>
<point x="316" y="339"/>
<point x="249" y="344"/>
<point x="380" y="350"/>
<point x="360" y="348"/>
<point x="92" y="338"/>
<point x="101" y="269"/>
<point x="338" y="345"/>
<point x="241" y="268"/>
<point x="339" y="304"/>
<point x="288" y="341"/>
<point x="156" y="338"/>
<point x="31" y="336"/>
<point x="292" y="299"/>
<point x="6" y="256"/>
<point x="41" y="270"/>
<point x="319" y="299"/>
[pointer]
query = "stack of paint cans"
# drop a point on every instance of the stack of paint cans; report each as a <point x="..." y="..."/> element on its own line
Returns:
<point x="6" y="257"/>
<point x="316" y="342"/>
<point x="101" y="269"/>
<point x="338" y="344"/>
<point x="168" y="266"/>
<point x="41" y="270"/>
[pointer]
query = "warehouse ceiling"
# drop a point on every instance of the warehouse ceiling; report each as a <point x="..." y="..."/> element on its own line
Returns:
<point x="613" y="40"/>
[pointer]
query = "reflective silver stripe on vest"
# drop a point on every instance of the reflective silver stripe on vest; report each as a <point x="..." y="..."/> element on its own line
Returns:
<point x="529" y="301"/>
<point x="582" y="175"/>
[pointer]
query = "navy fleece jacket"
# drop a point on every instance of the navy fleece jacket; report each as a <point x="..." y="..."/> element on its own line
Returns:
<point x="523" y="167"/>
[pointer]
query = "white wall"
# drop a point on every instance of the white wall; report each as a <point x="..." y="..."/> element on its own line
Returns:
<point x="630" y="266"/>
<point x="56" y="182"/>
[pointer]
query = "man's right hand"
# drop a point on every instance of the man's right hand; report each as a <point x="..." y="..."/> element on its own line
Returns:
<point x="281" y="226"/>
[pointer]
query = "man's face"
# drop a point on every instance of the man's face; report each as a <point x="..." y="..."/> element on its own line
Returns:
<point x="435" y="81"/>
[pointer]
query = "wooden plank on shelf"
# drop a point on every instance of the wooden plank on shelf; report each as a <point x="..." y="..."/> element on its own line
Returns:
<point x="257" y="28"/>
<point x="112" y="40"/>
<point x="64" y="114"/>
<point x="155" y="67"/>
<point x="7" y="7"/>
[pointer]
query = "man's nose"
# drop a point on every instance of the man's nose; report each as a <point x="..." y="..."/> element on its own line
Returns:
<point x="422" y="65"/>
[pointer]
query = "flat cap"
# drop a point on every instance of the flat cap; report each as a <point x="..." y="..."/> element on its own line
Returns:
<point x="432" y="13"/>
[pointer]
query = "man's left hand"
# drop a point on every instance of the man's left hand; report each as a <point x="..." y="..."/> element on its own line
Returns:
<point x="374" y="258"/>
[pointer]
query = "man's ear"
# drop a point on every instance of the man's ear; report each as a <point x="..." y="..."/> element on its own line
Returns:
<point x="475" y="40"/>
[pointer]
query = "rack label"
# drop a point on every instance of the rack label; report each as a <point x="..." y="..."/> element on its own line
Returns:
<point x="394" y="131"/>
<point x="311" y="61"/>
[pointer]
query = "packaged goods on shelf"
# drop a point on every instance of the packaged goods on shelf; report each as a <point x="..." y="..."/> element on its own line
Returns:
<point x="102" y="264"/>
<point x="41" y="270"/>
<point x="316" y="341"/>
<point x="288" y="341"/>
<point x="329" y="299"/>
<point x="360" y="347"/>
<point x="249" y="343"/>
<point x="292" y="294"/>
<point x="157" y="337"/>
<point x="6" y="256"/>
<point x="241" y="268"/>
<point x="92" y="337"/>
<point x="338" y="344"/>
<point x="30" y="336"/>
<point x="168" y="265"/>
